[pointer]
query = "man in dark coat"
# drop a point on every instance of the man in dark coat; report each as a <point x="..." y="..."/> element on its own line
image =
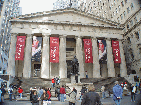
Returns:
<point x="3" y="92"/>
<point x="91" y="98"/>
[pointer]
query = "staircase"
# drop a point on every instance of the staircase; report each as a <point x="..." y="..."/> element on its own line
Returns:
<point x="108" y="82"/>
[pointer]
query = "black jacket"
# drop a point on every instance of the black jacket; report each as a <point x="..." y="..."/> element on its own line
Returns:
<point x="91" y="98"/>
<point x="34" y="98"/>
<point x="3" y="91"/>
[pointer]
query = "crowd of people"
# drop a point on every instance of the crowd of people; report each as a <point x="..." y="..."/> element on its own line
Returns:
<point x="88" y="96"/>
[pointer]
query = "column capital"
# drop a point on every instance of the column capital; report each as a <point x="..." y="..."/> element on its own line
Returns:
<point x="63" y="36"/>
<point x="14" y="34"/>
<point x="109" y="39"/>
<point x="78" y="37"/>
<point x="29" y="35"/>
<point x="93" y="37"/>
<point x="45" y="35"/>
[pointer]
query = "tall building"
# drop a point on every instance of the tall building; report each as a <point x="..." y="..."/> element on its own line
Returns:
<point x="128" y="14"/>
<point x="9" y="9"/>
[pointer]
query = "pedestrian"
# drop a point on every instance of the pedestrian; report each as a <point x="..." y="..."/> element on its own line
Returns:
<point x="40" y="92"/>
<point x="117" y="93"/>
<point x="20" y="90"/>
<point x="58" y="91"/>
<point x="56" y="80"/>
<point x="62" y="92"/>
<point x="72" y="98"/>
<point x="83" y="90"/>
<point x="91" y="97"/>
<point x="31" y="93"/>
<point x="122" y="84"/>
<point x="10" y="91"/>
<point x="125" y="86"/>
<point x="53" y="82"/>
<point x="56" y="88"/>
<point x="86" y="74"/>
<point x="133" y="91"/>
<point x="49" y="96"/>
<point x="103" y="92"/>
<point x="74" y="90"/>
<point x="35" y="99"/>
<point x="59" y="80"/>
<point x="15" y="92"/>
<point x="3" y="93"/>
<point x="0" y="96"/>
<point x="44" y="98"/>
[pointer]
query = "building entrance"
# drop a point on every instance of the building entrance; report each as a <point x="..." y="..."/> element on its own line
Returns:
<point x="37" y="69"/>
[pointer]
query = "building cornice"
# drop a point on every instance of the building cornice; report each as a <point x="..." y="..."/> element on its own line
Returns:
<point x="64" y="23"/>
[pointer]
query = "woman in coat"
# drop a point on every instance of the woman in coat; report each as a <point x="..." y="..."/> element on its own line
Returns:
<point x="35" y="99"/>
<point x="44" y="97"/>
<point x="72" y="98"/>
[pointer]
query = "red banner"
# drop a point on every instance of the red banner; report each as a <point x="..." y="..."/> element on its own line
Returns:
<point x="54" y="49"/>
<point x="88" y="50"/>
<point x="20" y="47"/>
<point x="116" y="51"/>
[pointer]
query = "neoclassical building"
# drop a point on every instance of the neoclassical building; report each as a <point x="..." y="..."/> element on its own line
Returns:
<point x="71" y="27"/>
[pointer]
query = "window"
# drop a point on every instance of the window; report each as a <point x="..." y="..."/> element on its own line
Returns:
<point x="116" y="11"/>
<point x="122" y="3"/>
<point x="132" y="6"/>
<point x="128" y="26"/>
<point x="131" y="22"/>
<point x="124" y="13"/>
<point x="128" y="10"/>
<point x="121" y="16"/>
<point x="128" y="40"/>
<point x="135" y="19"/>
<point x="118" y="19"/>
<point x="137" y="35"/>
<point x="119" y="7"/>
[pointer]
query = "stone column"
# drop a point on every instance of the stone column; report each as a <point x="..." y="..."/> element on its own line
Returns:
<point x="123" y="69"/>
<point x="96" y="65"/>
<point x="28" y="56"/>
<point x="45" y="58"/>
<point x="110" y="62"/>
<point x="62" y="57"/>
<point x="11" y="59"/>
<point x="79" y="56"/>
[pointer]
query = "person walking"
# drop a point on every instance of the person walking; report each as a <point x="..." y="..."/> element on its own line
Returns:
<point x="35" y="99"/>
<point x="83" y="90"/>
<point x="133" y="91"/>
<point x="91" y="97"/>
<point x="44" y="98"/>
<point x="10" y="91"/>
<point x="58" y="93"/>
<point x="0" y="96"/>
<point x="117" y="93"/>
<point x="40" y="92"/>
<point x="62" y="92"/>
<point x="75" y="90"/>
<point x="72" y="98"/>
<point x="53" y="82"/>
<point x="31" y="93"/>
<point x="49" y="96"/>
<point x="3" y="93"/>
<point x="56" y="79"/>
<point x="15" y="92"/>
<point x="20" y="90"/>
<point x="103" y="92"/>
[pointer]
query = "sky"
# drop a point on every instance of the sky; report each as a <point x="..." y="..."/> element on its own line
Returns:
<point x="33" y="6"/>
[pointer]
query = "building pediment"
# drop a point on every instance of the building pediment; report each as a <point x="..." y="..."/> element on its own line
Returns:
<point x="68" y="16"/>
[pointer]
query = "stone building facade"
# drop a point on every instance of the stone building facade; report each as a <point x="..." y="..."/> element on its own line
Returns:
<point x="125" y="12"/>
<point x="71" y="26"/>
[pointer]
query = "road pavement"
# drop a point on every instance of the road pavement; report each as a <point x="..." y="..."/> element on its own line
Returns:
<point x="108" y="101"/>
